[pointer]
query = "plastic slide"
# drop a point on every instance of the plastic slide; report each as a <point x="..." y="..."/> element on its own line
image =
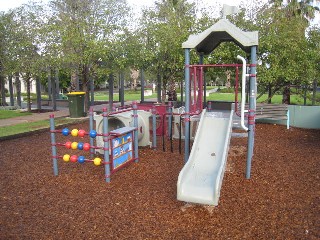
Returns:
<point x="201" y="177"/>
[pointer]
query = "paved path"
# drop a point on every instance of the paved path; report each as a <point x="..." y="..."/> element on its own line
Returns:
<point x="63" y="112"/>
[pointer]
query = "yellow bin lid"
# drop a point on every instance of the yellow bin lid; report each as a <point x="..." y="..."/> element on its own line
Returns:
<point x="76" y="93"/>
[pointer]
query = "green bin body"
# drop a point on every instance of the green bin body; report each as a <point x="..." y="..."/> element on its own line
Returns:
<point x="76" y="104"/>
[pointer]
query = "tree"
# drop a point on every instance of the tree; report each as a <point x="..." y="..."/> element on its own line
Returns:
<point x="85" y="29"/>
<point x="162" y="31"/>
<point x="22" y="43"/>
<point x="314" y="56"/>
<point x="283" y="45"/>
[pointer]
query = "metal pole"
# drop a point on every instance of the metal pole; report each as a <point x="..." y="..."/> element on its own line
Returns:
<point x="209" y="106"/>
<point x="170" y="125"/>
<point x="135" y="123"/>
<point x="154" y="127"/>
<point x="252" y="110"/>
<point x="187" y="104"/>
<point x="181" y="94"/>
<point x="169" y="118"/>
<point x="203" y="82"/>
<point x="53" y="146"/>
<point x="106" y="146"/>
<point x="92" y="151"/>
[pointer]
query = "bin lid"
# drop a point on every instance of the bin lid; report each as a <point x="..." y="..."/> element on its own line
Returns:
<point x="76" y="93"/>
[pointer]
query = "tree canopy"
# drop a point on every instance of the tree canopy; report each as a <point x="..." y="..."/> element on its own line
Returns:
<point x="95" y="38"/>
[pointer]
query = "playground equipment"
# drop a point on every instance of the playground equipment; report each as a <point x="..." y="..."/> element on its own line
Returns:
<point x="120" y="146"/>
<point x="201" y="178"/>
<point x="124" y="119"/>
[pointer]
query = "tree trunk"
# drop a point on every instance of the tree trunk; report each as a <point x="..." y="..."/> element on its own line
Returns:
<point x="269" y="93"/>
<point x="121" y="89"/>
<point x="18" y="87"/>
<point x="49" y="84"/>
<point x="314" y="92"/>
<point x="91" y="91"/>
<point x="57" y="88"/>
<point x="3" y="91"/>
<point x="142" y="84"/>
<point x="85" y="76"/>
<point x="286" y="95"/>
<point x="111" y="79"/>
<point x="11" y="90"/>
<point x="38" y="90"/>
<point x="53" y="90"/>
<point x="305" y="88"/>
<point x="28" y="82"/>
<point x="164" y="89"/>
<point x="74" y="82"/>
<point x="158" y="88"/>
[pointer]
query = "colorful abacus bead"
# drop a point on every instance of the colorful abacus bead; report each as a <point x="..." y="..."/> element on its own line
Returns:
<point x="65" y="132"/>
<point x="73" y="158"/>
<point x="66" y="157"/>
<point x="81" y="159"/>
<point x="81" y="133"/>
<point x="97" y="161"/>
<point x="93" y="133"/>
<point x="68" y="145"/>
<point x="74" y="145"/>
<point x="86" y="146"/>
<point x="80" y="145"/>
<point x="74" y="132"/>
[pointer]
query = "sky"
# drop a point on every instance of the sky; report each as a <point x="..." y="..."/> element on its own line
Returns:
<point x="7" y="4"/>
<point x="138" y="4"/>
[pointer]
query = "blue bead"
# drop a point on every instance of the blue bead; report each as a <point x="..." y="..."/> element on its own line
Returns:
<point x="93" y="133"/>
<point x="65" y="132"/>
<point x="80" y="145"/>
<point x="81" y="159"/>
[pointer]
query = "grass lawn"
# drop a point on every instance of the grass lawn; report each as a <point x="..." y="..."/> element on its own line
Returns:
<point x="5" y="114"/>
<point x="31" y="126"/>
<point x="128" y="96"/>
<point x="276" y="99"/>
<point x="131" y="95"/>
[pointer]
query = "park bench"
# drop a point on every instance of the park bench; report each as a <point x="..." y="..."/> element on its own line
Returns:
<point x="274" y="112"/>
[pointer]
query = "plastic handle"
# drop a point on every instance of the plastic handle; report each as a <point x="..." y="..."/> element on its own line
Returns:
<point x="243" y="90"/>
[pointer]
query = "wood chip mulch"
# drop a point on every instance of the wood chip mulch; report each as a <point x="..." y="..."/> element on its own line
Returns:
<point x="280" y="201"/>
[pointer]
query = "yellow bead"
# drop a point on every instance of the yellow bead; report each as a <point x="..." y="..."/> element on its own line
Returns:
<point x="66" y="157"/>
<point x="97" y="161"/>
<point x="74" y="132"/>
<point x="74" y="145"/>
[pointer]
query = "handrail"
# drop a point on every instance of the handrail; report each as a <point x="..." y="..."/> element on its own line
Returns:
<point x="243" y="91"/>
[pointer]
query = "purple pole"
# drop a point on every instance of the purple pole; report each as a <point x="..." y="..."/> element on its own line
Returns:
<point x="53" y="146"/>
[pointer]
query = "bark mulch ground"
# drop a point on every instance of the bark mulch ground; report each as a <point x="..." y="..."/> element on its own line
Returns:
<point x="280" y="201"/>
